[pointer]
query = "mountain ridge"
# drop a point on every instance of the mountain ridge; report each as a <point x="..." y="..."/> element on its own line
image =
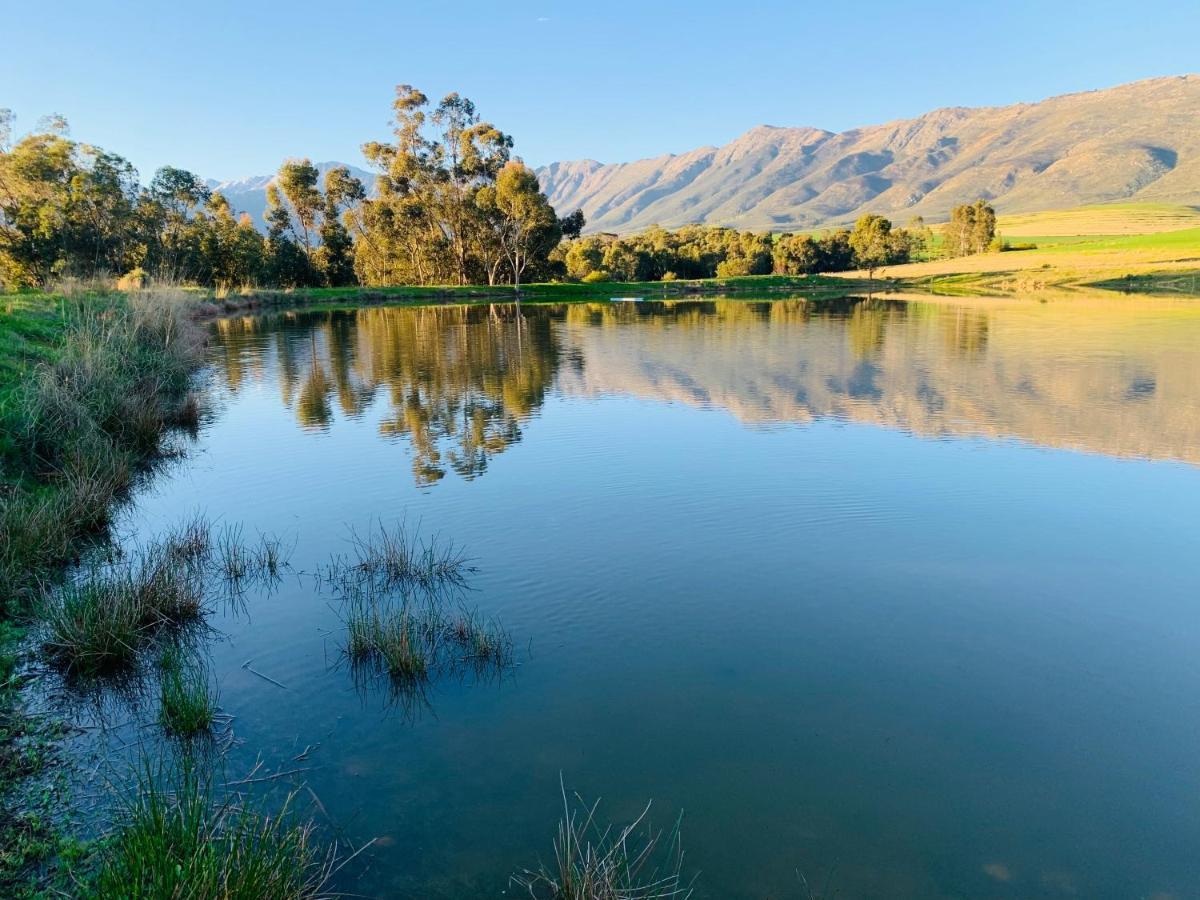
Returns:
<point x="1134" y="141"/>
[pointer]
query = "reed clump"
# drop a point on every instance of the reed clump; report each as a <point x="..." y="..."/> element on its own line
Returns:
<point x="99" y="622"/>
<point x="188" y="699"/>
<point x="181" y="838"/>
<point x="398" y="557"/>
<point x="413" y="635"/>
<point x="604" y="862"/>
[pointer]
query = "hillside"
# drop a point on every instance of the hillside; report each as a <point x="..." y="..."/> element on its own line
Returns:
<point x="1136" y="141"/>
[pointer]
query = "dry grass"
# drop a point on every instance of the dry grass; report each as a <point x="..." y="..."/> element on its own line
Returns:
<point x="1100" y="219"/>
<point x="595" y="862"/>
<point x="77" y="425"/>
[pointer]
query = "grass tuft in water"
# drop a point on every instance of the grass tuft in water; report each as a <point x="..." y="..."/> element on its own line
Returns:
<point x="189" y="701"/>
<point x="412" y="637"/>
<point x="390" y="636"/>
<point x="484" y="643"/>
<point x="397" y="557"/>
<point x="179" y="840"/>
<point x="594" y="862"/>
<point x="236" y="559"/>
<point x="241" y="562"/>
<point x="190" y="542"/>
<point x="94" y="626"/>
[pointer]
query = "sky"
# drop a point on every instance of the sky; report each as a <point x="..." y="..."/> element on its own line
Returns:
<point x="230" y="89"/>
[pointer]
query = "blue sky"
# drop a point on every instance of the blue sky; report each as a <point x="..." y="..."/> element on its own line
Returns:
<point x="229" y="89"/>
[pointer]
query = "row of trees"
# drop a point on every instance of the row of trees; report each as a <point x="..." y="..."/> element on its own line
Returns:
<point x="450" y="205"/>
<point x="698" y="251"/>
<point x="72" y="209"/>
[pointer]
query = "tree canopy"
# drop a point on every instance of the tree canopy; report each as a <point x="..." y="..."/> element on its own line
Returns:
<point x="450" y="204"/>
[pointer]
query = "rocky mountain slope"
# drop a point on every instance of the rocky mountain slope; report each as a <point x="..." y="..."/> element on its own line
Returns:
<point x="1139" y="141"/>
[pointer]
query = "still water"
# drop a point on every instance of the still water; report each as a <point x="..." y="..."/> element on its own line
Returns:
<point x="900" y="595"/>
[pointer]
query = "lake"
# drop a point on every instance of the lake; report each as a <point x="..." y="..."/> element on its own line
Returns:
<point x="902" y="595"/>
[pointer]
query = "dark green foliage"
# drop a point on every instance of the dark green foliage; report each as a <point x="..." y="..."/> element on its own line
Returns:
<point x="572" y="225"/>
<point x="698" y="251"/>
<point x="876" y="244"/>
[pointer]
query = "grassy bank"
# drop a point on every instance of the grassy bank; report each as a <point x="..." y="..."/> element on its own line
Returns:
<point x="87" y="386"/>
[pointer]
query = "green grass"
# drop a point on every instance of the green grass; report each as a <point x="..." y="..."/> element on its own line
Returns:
<point x="330" y="298"/>
<point x="99" y="623"/>
<point x="181" y="838"/>
<point x="86" y="387"/>
<point x="30" y="325"/>
<point x="188" y="700"/>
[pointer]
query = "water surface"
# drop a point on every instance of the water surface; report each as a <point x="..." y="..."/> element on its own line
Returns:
<point x="901" y="595"/>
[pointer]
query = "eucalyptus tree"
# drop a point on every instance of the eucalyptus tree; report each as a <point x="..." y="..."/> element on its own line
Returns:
<point x="971" y="229"/>
<point x="336" y="254"/>
<point x="65" y="208"/>
<point x="523" y="222"/>
<point x="170" y="206"/>
<point x="297" y="183"/>
<point x="428" y="222"/>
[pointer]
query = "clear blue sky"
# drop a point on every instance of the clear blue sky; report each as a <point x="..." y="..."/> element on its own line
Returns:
<point x="229" y="89"/>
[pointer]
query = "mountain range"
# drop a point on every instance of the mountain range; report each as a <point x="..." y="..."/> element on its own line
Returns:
<point x="1138" y="141"/>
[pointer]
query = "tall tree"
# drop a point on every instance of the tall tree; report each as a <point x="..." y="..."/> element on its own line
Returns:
<point x="984" y="230"/>
<point x="873" y="243"/>
<point x="173" y="199"/>
<point x="336" y="254"/>
<point x="298" y="182"/>
<point x="526" y="227"/>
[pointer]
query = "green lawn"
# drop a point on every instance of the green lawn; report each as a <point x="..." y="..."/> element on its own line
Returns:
<point x="30" y="324"/>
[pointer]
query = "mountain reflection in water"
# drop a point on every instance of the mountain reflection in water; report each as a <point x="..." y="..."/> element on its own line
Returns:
<point x="1119" y="377"/>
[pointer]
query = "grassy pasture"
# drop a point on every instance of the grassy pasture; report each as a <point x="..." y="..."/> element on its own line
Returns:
<point x="1099" y="219"/>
